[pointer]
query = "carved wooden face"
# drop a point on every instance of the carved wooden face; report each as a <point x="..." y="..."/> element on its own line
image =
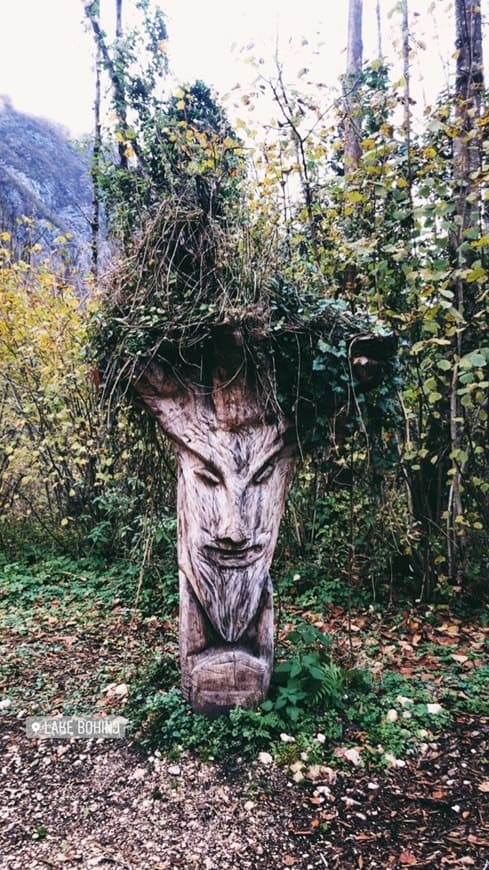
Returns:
<point x="232" y="487"/>
<point x="233" y="474"/>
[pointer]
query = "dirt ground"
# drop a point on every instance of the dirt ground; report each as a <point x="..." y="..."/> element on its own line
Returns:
<point x="105" y="804"/>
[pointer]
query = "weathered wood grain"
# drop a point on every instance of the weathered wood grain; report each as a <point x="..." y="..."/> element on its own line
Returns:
<point x="234" y="469"/>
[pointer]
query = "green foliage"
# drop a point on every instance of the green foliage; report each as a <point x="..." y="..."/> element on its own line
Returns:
<point x="192" y="143"/>
<point x="307" y="682"/>
<point x="37" y="582"/>
<point x="308" y="692"/>
<point x="157" y="147"/>
<point x="403" y="236"/>
<point x="165" y="721"/>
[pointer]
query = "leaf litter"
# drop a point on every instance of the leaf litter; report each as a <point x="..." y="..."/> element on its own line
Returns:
<point x="109" y="804"/>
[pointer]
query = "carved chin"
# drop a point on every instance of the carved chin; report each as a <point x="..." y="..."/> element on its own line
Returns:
<point x="229" y="596"/>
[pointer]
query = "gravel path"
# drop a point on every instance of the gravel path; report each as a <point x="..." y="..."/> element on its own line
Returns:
<point x="104" y="804"/>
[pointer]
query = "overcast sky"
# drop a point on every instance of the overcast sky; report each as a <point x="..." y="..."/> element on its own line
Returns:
<point x="46" y="53"/>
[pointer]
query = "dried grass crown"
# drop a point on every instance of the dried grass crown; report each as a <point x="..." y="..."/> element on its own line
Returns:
<point x="195" y="298"/>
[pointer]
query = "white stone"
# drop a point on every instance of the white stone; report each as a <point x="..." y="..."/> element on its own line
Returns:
<point x="433" y="709"/>
<point x="392" y="761"/>
<point x="265" y="758"/>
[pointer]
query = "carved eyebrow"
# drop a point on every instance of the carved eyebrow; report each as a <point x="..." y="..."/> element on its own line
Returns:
<point x="208" y="468"/>
<point x="268" y="461"/>
<point x="206" y="463"/>
<point x="214" y="469"/>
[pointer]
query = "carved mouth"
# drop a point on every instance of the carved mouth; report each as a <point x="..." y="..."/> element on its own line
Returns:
<point x="238" y="557"/>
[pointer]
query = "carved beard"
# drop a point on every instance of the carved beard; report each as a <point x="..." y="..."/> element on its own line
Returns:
<point x="229" y="596"/>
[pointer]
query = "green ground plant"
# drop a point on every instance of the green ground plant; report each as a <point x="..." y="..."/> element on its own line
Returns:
<point x="324" y="699"/>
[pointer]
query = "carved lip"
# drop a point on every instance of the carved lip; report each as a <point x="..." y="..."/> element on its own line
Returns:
<point x="238" y="557"/>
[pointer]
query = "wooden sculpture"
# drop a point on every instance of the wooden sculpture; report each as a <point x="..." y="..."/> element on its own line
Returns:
<point x="234" y="466"/>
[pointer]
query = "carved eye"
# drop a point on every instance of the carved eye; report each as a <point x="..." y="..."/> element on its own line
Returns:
<point x="264" y="473"/>
<point x="208" y="476"/>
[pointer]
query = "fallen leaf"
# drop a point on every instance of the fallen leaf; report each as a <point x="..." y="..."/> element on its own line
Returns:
<point x="352" y="755"/>
<point x="289" y="860"/>
<point x="392" y="761"/>
<point x="484" y="786"/>
<point x="448" y="629"/>
<point x="313" y="772"/>
<point x="407" y="857"/>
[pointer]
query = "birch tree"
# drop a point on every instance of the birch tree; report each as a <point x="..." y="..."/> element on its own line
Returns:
<point x="354" y="62"/>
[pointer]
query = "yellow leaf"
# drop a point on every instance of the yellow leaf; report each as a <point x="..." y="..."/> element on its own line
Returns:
<point x="354" y="196"/>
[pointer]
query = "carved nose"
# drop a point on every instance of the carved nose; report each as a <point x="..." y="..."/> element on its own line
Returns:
<point x="232" y="534"/>
<point x="237" y="540"/>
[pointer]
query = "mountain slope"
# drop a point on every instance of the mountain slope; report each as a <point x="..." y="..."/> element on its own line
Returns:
<point x="44" y="177"/>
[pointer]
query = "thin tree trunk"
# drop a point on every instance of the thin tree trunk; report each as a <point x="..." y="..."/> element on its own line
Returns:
<point x="118" y="22"/>
<point x="119" y="64"/>
<point x="407" y="83"/>
<point x="352" y="148"/>
<point x="354" y="61"/>
<point x="97" y="146"/>
<point x="466" y="164"/>
<point x="115" y="68"/>
<point x="380" y="52"/>
<point x="469" y="84"/>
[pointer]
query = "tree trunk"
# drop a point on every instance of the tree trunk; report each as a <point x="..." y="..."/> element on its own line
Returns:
<point x="115" y="68"/>
<point x="118" y="19"/>
<point x="406" y="51"/>
<point x="352" y="117"/>
<point x="121" y="95"/>
<point x="466" y="165"/>
<point x="469" y="83"/>
<point x="95" y="171"/>
<point x="380" y="52"/>
<point x="234" y="470"/>
<point x="354" y="60"/>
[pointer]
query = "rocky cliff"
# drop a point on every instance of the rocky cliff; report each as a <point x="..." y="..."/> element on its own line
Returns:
<point x="45" y="178"/>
